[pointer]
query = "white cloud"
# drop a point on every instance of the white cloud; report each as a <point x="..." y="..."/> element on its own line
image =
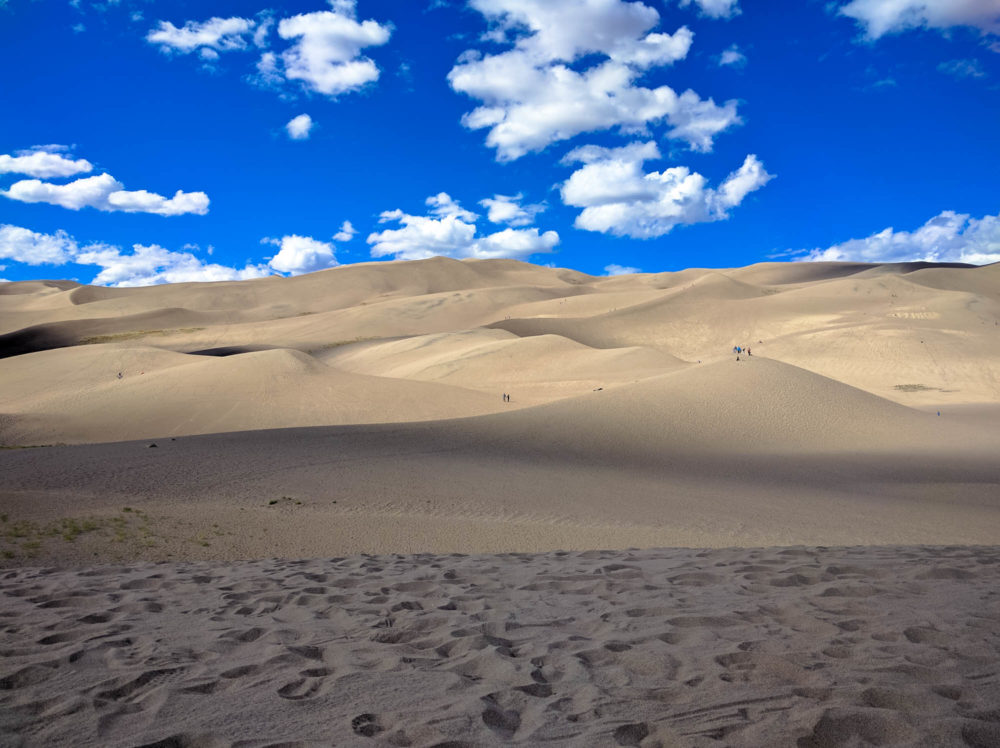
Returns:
<point x="880" y="17"/>
<point x="507" y="209"/>
<point x="324" y="52"/>
<point x="268" y="72"/>
<point x="618" y="198"/>
<point x="531" y="95"/>
<point x="613" y="269"/>
<point x="144" y="266"/>
<point x="152" y="265"/>
<point x="715" y="8"/>
<point x="104" y="192"/>
<point x="568" y="29"/>
<point x="43" y="161"/>
<point x="947" y="237"/>
<point x="299" y="127"/>
<point x="453" y="233"/>
<point x="212" y="36"/>
<point x="518" y="243"/>
<point x="733" y="57"/>
<point x="32" y="248"/>
<point x="263" y="29"/>
<point x="326" y="55"/>
<point x="442" y="205"/>
<point x="301" y="254"/>
<point x="962" y="68"/>
<point x="346" y="233"/>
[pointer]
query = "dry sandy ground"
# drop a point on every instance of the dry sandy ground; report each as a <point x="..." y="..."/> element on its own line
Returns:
<point x="359" y="410"/>
<point x="801" y="647"/>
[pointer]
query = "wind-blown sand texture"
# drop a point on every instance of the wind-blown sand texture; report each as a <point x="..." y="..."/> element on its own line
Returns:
<point x="803" y="647"/>
<point x="359" y="411"/>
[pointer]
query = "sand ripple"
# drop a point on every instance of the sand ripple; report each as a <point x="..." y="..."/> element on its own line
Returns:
<point x="797" y="646"/>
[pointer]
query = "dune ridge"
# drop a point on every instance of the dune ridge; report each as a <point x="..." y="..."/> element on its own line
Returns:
<point x="916" y="334"/>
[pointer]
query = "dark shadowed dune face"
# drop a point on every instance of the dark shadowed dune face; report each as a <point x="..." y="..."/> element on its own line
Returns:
<point x="39" y="338"/>
<point x="229" y="350"/>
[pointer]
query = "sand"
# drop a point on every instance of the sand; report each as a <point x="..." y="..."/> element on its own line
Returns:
<point x="799" y="646"/>
<point x="303" y="513"/>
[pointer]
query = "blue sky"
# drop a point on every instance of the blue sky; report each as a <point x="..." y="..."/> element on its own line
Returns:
<point x="146" y="142"/>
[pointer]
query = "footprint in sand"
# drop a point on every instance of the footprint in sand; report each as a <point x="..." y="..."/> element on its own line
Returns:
<point x="366" y="725"/>
<point x="632" y="734"/>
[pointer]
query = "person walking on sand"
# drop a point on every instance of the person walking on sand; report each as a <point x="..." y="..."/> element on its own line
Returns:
<point x="748" y="351"/>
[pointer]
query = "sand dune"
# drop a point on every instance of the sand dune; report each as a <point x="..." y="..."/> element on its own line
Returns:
<point x="538" y="367"/>
<point x="845" y="474"/>
<point x="74" y="394"/>
<point x="916" y="334"/>
<point x="621" y="387"/>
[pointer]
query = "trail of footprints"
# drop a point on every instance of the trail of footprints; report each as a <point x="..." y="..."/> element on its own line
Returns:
<point x="806" y="647"/>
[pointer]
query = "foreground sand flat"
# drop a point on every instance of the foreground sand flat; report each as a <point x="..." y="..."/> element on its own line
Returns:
<point x="796" y="646"/>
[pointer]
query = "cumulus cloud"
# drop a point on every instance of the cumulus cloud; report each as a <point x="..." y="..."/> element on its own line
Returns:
<point x="538" y="92"/>
<point x="44" y="161"/>
<point x="346" y="233"/>
<point x="301" y="254"/>
<point x="619" y="198"/>
<point x="149" y="265"/>
<point x="947" y="237"/>
<point x="143" y="266"/>
<point x="732" y="57"/>
<point x="207" y="37"/>
<point x="299" y="127"/>
<point x="715" y="8"/>
<point x="614" y="269"/>
<point x="451" y="232"/>
<point x="326" y="54"/>
<point x="33" y="248"/>
<point x="443" y="205"/>
<point x="880" y="17"/>
<point x="106" y="193"/>
<point x="508" y="209"/>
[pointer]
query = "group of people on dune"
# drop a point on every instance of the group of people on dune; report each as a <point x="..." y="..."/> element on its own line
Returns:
<point x="738" y="350"/>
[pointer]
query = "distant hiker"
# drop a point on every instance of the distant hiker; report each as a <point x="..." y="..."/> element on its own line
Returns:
<point x="748" y="351"/>
<point x="119" y="375"/>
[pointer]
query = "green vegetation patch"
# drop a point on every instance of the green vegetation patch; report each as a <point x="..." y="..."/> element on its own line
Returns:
<point x="24" y="538"/>
<point x="132" y="334"/>
<point x="913" y="388"/>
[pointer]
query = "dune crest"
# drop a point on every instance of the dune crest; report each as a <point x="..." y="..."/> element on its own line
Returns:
<point x="917" y="334"/>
